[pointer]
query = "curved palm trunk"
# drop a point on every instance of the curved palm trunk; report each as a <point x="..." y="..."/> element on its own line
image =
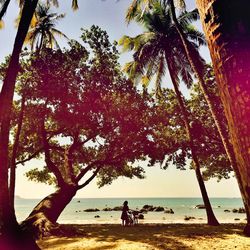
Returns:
<point x="226" y="26"/>
<point x="44" y="216"/>
<point x="8" y="225"/>
<point x="211" y="219"/>
<point x="199" y="72"/>
<point x="4" y="8"/>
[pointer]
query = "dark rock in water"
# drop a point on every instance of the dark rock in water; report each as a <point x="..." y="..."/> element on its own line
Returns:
<point x="97" y="216"/>
<point x="236" y="219"/>
<point x="189" y="218"/>
<point x="158" y="209"/>
<point x="107" y="209"/>
<point x="148" y="207"/>
<point x="144" y="211"/>
<point x="91" y="210"/>
<point x="169" y="211"/>
<point x="118" y="208"/>
<point x="227" y="211"/>
<point x="141" y="216"/>
<point x="241" y="210"/>
<point x="201" y="206"/>
<point x="78" y="201"/>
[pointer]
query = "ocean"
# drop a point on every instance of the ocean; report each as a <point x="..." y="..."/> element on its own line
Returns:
<point x="182" y="207"/>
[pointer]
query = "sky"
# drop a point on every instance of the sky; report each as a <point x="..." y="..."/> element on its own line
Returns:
<point x="110" y="16"/>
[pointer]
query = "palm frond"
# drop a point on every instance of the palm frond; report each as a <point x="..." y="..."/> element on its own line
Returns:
<point x="138" y="6"/>
<point x="187" y="17"/>
<point x="58" y="33"/>
<point x="195" y="35"/>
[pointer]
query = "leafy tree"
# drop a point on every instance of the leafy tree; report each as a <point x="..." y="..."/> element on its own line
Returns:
<point x="158" y="48"/>
<point x="173" y="144"/>
<point x="86" y="119"/>
<point x="229" y="48"/>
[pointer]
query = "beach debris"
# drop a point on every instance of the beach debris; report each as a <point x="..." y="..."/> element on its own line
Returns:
<point x="236" y="219"/>
<point x="200" y="206"/>
<point x="189" y="218"/>
<point x="227" y="211"/>
<point x="91" y="210"/>
<point x="97" y="216"/>
<point x="78" y="201"/>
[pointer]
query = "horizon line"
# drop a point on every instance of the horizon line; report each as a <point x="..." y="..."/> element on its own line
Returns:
<point x="142" y="197"/>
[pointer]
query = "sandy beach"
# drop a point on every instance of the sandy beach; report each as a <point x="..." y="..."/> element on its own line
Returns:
<point x="147" y="236"/>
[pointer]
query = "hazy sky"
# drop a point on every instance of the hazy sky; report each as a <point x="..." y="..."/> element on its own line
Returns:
<point x="109" y="15"/>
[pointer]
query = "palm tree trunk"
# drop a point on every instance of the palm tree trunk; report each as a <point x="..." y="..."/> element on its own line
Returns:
<point x="199" y="73"/>
<point x="226" y="26"/>
<point x="8" y="224"/>
<point x="4" y="8"/>
<point x="211" y="219"/>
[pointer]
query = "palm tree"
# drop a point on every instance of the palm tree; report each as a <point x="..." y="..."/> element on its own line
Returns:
<point x="228" y="37"/>
<point x="159" y="48"/>
<point x="42" y="33"/>
<point x="199" y="70"/>
<point x="8" y="222"/>
<point x="5" y="5"/>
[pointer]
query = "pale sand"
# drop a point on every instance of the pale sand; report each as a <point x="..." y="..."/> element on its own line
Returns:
<point x="147" y="236"/>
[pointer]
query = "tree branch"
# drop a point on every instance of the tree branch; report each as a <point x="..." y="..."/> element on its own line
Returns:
<point x="90" y="178"/>
<point x="51" y="166"/>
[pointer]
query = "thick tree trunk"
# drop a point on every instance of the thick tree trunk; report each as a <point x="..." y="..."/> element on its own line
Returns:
<point x="8" y="224"/>
<point x="44" y="216"/>
<point x="198" y="70"/>
<point x="226" y="24"/>
<point x="211" y="219"/>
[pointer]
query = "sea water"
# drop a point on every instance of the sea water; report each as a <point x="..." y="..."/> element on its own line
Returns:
<point x="74" y="212"/>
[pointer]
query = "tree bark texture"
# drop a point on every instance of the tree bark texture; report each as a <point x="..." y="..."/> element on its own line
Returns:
<point x="44" y="216"/>
<point x="226" y="24"/>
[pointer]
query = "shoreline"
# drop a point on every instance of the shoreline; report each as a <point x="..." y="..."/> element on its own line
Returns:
<point x="147" y="236"/>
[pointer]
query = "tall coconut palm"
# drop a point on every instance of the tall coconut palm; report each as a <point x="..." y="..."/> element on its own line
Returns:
<point x="198" y="68"/>
<point x="159" y="48"/>
<point x="227" y="29"/>
<point x="42" y="33"/>
<point x="5" y="4"/>
<point x="8" y="222"/>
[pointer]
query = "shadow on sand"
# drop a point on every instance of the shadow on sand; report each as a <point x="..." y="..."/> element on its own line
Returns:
<point x="151" y="236"/>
